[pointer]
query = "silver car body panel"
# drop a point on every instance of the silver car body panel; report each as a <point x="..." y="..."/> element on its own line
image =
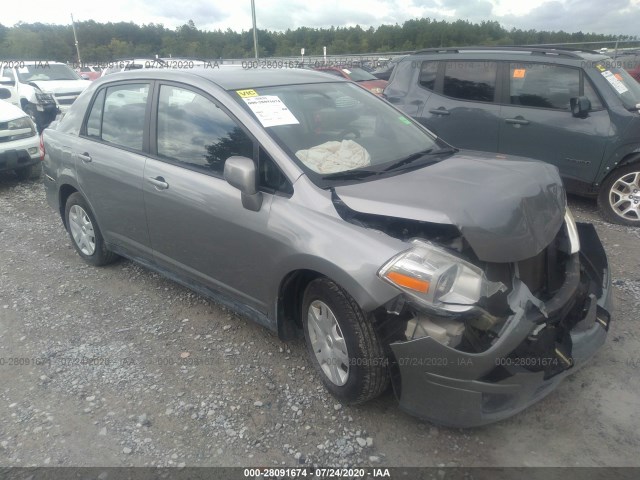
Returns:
<point x="468" y="191"/>
<point x="193" y="228"/>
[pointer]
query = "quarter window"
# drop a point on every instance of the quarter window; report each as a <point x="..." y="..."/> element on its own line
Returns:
<point x="271" y="179"/>
<point x="474" y="81"/>
<point x="194" y="131"/>
<point x="94" y="122"/>
<point x="428" y="74"/>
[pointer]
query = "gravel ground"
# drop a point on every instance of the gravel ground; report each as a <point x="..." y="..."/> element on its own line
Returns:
<point x="118" y="366"/>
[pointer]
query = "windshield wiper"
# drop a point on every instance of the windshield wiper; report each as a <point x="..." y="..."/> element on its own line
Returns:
<point x="419" y="155"/>
<point x="350" y="174"/>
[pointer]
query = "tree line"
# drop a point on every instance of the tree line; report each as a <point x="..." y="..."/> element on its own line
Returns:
<point x="101" y="42"/>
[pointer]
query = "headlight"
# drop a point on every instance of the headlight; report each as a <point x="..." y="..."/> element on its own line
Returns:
<point x="438" y="279"/>
<point x="20" y="128"/>
<point x="572" y="231"/>
<point x="20" y="123"/>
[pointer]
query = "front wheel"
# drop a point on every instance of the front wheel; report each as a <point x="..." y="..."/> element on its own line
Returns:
<point x="619" y="197"/>
<point x="85" y="233"/>
<point x="343" y="344"/>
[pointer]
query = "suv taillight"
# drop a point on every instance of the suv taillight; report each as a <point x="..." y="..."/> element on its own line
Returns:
<point x="41" y="148"/>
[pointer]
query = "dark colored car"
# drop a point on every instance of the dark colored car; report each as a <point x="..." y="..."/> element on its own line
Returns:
<point x="576" y="110"/>
<point x="321" y="211"/>
<point x="384" y="72"/>
<point x="358" y="75"/>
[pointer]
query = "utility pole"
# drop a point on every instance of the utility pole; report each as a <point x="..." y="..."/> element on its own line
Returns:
<point x="255" y="33"/>
<point x="75" y="37"/>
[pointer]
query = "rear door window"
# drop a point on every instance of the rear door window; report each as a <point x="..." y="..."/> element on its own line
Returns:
<point x="470" y="80"/>
<point x="123" y="115"/>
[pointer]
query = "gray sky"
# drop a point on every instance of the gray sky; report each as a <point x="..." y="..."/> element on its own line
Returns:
<point x="612" y="17"/>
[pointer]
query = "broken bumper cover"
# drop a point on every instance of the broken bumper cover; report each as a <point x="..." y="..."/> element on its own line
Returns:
<point x="462" y="389"/>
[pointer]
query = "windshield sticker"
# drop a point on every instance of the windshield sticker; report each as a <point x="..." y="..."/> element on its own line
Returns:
<point x="271" y="111"/>
<point x="247" y="93"/>
<point x="615" y="83"/>
<point x="519" y="73"/>
<point x="601" y="68"/>
<point x="405" y="120"/>
<point x="23" y="70"/>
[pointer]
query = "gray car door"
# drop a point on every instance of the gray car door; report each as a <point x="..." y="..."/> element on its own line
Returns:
<point x="537" y="120"/>
<point x="110" y="164"/>
<point x="462" y="109"/>
<point x="198" y="226"/>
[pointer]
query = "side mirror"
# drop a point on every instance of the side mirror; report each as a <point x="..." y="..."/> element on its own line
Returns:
<point x="6" y="81"/>
<point x="84" y="76"/>
<point x="5" y="93"/>
<point x="240" y="172"/>
<point x="580" y="106"/>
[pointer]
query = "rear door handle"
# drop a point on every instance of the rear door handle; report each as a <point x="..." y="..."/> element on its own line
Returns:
<point x="158" y="182"/>
<point x="85" y="157"/>
<point x="517" y="121"/>
<point x="439" y="111"/>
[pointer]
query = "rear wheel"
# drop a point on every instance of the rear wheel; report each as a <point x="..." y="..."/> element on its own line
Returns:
<point x="85" y="233"/>
<point x="343" y="344"/>
<point x="619" y="197"/>
<point x="32" y="171"/>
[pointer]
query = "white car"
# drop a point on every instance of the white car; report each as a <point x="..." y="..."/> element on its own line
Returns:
<point x="41" y="88"/>
<point x="19" y="142"/>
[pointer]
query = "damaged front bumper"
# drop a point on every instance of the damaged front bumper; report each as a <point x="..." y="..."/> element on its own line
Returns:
<point x="460" y="389"/>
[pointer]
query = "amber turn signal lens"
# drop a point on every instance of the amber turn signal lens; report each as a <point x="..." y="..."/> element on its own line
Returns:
<point x="408" y="282"/>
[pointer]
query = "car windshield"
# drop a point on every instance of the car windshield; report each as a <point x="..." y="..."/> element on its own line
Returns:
<point x="358" y="74"/>
<point x="46" y="71"/>
<point x="340" y="132"/>
<point x="623" y="84"/>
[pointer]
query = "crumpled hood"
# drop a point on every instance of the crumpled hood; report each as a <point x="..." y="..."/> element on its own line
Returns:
<point x="507" y="208"/>
<point x="62" y="86"/>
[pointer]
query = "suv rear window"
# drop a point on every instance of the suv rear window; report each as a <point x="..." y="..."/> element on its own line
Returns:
<point x="475" y="81"/>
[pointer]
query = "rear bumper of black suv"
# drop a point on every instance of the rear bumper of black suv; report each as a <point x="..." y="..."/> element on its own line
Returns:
<point x="460" y="389"/>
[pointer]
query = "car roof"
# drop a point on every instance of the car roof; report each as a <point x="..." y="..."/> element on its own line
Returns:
<point x="512" y="53"/>
<point x="232" y="78"/>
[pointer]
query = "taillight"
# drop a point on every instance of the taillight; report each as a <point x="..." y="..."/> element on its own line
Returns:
<point x="41" y="148"/>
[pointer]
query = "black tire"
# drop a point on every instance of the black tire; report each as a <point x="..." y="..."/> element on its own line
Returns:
<point x="24" y="173"/>
<point x="611" y="192"/>
<point x="41" y="119"/>
<point x="368" y="373"/>
<point x="99" y="255"/>
<point x="30" y="172"/>
<point x="30" y="110"/>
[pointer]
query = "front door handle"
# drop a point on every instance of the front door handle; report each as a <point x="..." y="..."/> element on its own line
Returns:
<point x="439" y="111"/>
<point x="158" y="182"/>
<point x="85" y="157"/>
<point x="517" y="121"/>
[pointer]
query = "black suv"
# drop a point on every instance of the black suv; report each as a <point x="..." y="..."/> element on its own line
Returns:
<point x="575" y="109"/>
